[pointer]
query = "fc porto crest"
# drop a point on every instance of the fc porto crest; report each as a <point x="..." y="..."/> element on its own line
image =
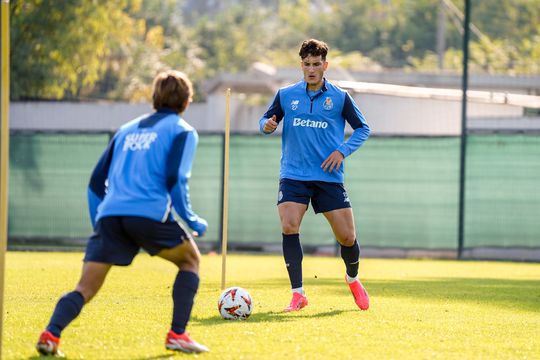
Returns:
<point x="294" y="104"/>
<point x="328" y="104"/>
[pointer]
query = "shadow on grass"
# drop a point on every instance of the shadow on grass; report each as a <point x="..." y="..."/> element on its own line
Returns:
<point x="170" y="355"/>
<point x="499" y="293"/>
<point x="164" y="356"/>
<point x="270" y="316"/>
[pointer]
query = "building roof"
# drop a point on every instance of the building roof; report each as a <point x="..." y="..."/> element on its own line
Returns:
<point x="264" y="79"/>
<point x="490" y="97"/>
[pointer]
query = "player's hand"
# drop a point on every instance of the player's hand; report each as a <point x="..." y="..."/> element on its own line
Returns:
<point x="270" y="125"/>
<point x="195" y="234"/>
<point x="333" y="161"/>
<point x="199" y="227"/>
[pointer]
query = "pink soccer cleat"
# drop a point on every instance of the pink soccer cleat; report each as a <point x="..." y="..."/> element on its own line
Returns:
<point x="48" y="344"/>
<point x="360" y="294"/>
<point x="182" y="342"/>
<point x="298" y="302"/>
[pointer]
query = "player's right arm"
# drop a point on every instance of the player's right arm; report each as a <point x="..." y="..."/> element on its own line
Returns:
<point x="270" y="120"/>
<point x="270" y="125"/>
<point x="97" y="187"/>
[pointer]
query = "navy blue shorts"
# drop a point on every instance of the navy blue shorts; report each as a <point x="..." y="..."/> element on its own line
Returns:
<point x="324" y="196"/>
<point x="117" y="239"/>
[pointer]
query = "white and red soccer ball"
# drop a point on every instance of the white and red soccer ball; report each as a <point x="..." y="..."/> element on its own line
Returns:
<point x="235" y="304"/>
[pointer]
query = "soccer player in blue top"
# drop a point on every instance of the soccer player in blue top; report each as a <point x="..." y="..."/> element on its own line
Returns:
<point x="137" y="189"/>
<point x="313" y="113"/>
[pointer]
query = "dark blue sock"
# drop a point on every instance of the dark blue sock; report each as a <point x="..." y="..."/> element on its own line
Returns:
<point x="351" y="258"/>
<point x="184" y="290"/>
<point x="67" y="309"/>
<point x="293" y="254"/>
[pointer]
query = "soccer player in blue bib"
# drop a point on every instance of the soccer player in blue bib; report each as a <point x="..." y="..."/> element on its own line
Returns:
<point x="137" y="189"/>
<point x="313" y="113"/>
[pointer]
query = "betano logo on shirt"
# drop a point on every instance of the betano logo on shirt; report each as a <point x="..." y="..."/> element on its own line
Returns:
<point x="310" y="123"/>
<point x="139" y="141"/>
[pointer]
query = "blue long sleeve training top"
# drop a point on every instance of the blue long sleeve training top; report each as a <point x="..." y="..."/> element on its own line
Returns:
<point x="145" y="171"/>
<point x="314" y="127"/>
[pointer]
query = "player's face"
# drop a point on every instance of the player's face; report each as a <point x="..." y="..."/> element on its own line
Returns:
<point x="314" y="68"/>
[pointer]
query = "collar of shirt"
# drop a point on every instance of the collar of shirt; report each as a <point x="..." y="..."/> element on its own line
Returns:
<point x="322" y="89"/>
<point x="166" y="110"/>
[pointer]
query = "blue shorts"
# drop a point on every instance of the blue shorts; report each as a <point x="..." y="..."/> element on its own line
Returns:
<point x="324" y="196"/>
<point x="117" y="239"/>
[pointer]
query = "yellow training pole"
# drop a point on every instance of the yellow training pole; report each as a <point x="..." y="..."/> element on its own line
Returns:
<point x="225" y="203"/>
<point x="4" y="151"/>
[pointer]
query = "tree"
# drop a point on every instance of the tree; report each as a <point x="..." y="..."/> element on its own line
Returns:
<point x="58" y="47"/>
<point x="156" y="37"/>
<point x="68" y="49"/>
<point x="233" y="40"/>
<point x="506" y="40"/>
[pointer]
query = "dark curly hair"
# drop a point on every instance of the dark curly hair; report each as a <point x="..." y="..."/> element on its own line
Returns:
<point x="313" y="47"/>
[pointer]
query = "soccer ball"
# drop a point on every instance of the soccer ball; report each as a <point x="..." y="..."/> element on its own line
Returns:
<point x="235" y="304"/>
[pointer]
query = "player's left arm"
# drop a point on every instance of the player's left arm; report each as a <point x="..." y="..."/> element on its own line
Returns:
<point x="352" y="114"/>
<point x="179" y="164"/>
<point x="97" y="186"/>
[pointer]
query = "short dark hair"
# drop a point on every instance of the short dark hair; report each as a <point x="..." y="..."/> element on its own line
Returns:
<point x="313" y="47"/>
<point x="172" y="89"/>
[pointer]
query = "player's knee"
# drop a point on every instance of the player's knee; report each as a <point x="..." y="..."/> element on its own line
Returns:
<point x="189" y="261"/>
<point x="290" y="227"/>
<point x="347" y="239"/>
<point x="193" y="259"/>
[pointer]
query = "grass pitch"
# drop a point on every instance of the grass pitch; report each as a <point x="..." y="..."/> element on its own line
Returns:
<point x="420" y="309"/>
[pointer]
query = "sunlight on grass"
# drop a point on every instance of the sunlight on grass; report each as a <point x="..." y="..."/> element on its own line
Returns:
<point x="420" y="309"/>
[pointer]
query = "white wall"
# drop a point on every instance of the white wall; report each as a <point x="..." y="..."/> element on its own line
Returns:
<point x="396" y="115"/>
<point x="103" y="116"/>
<point x="386" y="114"/>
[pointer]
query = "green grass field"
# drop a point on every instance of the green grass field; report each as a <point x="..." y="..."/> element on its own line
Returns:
<point x="420" y="309"/>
